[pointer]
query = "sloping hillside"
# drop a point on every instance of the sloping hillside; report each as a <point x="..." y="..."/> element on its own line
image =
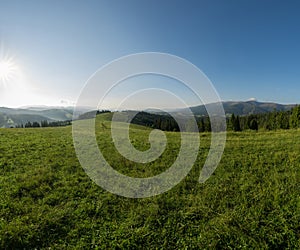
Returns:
<point x="11" y="117"/>
<point x="13" y="120"/>
<point x="244" y="108"/>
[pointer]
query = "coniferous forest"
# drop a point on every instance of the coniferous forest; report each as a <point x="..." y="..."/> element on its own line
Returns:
<point x="264" y="121"/>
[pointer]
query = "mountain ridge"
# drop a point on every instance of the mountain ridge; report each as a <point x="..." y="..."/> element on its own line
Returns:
<point x="10" y="117"/>
<point x="242" y="107"/>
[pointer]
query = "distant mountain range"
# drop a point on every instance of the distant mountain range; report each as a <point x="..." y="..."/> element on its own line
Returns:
<point x="242" y="108"/>
<point x="10" y="117"/>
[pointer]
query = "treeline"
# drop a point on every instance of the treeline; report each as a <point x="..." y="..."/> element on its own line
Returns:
<point x="166" y="122"/>
<point x="44" y="124"/>
<point x="92" y="114"/>
<point x="268" y="121"/>
<point x="156" y="121"/>
<point x="265" y="121"/>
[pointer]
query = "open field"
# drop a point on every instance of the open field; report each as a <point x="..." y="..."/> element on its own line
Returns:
<point x="251" y="201"/>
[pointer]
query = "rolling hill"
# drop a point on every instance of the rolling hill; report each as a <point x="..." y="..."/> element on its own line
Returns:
<point x="10" y="117"/>
<point x="242" y="108"/>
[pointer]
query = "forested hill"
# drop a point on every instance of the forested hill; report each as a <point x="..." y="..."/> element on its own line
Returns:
<point x="243" y="108"/>
<point x="156" y="119"/>
<point x="10" y="117"/>
<point x="266" y="121"/>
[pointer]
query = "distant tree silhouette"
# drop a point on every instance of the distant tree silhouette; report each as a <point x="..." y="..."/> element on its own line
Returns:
<point x="28" y="125"/>
<point x="44" y="123"/>
<point x="35" y="125"/>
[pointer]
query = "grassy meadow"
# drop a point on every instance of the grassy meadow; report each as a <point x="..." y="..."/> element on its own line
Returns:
<point x="252" y="201"/>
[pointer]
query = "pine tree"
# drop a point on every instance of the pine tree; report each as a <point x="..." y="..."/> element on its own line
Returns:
<point x="201" y="125"/>
<point x="235" y="123"/>
<point x="232" y="122"/>
<point x="253" y="125"/>
<point x="28" y="125"/>
<point x="295" y="117"/>
<point x="35" y="125"/>
<point x="44" y="123"/>
<point x="207" y="125"/>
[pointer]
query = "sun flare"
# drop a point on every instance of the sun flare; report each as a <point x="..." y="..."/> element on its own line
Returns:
<point x="8" y="70"/>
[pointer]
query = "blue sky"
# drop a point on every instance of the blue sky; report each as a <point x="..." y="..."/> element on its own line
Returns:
<point x="248" y="49"/>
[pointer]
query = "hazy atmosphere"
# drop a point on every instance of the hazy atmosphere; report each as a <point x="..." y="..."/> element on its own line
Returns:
<point x="49" y="49"/>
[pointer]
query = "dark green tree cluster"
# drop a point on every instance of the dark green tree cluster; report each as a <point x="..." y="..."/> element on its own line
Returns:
<point x="103" y="111"/>
<point x="156" y="121"/>
<point x="44" y="123"/>
<point x="204" y="124"/>
<point x="267" y="121"/>
<point x="295" y="117"/>
<point x="166" y="123"/>
<point x="19" y="126"/>
<point x="234" y="123"/>
<point x="59" y="123"/>
<point x="31" y="125"/>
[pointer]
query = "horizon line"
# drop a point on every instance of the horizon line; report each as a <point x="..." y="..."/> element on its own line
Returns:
<point x="167" y="108"/>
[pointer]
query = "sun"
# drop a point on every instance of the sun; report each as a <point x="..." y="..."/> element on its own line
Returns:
<point x="8" y="70"/>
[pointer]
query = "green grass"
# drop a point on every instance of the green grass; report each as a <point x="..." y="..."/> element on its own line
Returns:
<point x="47" y="201"/>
